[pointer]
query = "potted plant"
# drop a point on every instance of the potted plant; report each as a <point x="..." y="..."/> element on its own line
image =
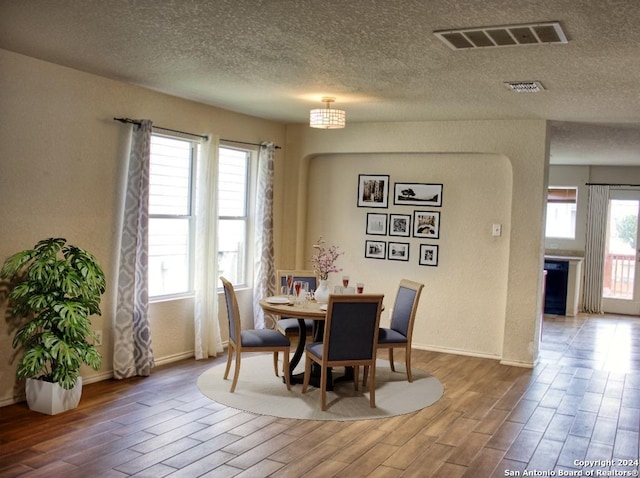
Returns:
<point x="55" y="288"/>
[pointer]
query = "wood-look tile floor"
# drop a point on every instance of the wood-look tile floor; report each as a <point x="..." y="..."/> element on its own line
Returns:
<point x="581" y="403"/>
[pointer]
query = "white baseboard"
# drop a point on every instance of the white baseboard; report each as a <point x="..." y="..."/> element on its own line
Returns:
<point x="447" y="350"/>
<point x="175" y="357"/>
<point x="511" y="363"/>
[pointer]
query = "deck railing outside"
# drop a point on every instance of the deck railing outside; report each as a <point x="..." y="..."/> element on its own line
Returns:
<point x="619" y="273"/>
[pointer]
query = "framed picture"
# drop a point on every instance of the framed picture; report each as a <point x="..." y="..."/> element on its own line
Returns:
<point x="426" y="224"/>
<point x="399" y="225"/>
<point x="376" y="224"/>
<point x="373" y="190"/>
<point x="375" y="249"/>
<point x="428" y="255"/>
<point x="398" y="251"/>
<point x="417" y="194"/>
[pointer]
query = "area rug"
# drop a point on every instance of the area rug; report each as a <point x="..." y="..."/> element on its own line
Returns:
<point x="260" y="392"/>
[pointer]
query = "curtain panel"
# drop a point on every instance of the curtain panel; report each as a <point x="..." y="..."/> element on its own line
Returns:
<point x="595" y="248"/>
<point x="264" y="268"/>
<point x="208" y="341"/>
<point x="133" y="354"/>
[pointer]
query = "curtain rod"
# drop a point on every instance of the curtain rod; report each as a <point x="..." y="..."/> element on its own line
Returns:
<point x="244" y="142"/>
<point x="612" y="184"/>
<point x="136" y="122"/>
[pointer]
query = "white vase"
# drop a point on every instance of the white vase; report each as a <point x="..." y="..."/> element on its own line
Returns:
<point x="50" y="398"/>
<point x="322" y="292"/>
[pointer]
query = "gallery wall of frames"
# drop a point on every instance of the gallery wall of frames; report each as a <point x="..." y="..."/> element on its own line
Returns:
<point x="395" y="230"/>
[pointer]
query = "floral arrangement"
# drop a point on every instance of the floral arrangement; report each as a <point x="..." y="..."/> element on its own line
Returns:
<point x="324" y="260"/>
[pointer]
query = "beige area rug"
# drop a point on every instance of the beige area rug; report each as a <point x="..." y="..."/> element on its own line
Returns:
<point x="259" y="391"/>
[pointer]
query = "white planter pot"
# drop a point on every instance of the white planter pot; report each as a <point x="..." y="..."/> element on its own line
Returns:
<point x="51" y="398"/>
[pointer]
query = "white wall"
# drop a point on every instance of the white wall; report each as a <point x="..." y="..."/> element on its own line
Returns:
<point x="62" y="172"/>
<point x="456" y="145"/>
<point x="476" y="194"/>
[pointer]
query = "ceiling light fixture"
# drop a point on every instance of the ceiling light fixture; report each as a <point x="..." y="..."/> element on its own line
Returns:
<point x="326" y="118"/>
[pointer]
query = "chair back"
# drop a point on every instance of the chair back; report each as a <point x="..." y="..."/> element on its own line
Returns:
<point x="351" y="327"/>
<point x="306" y="276"/>
<point x="405" y="307"/>
<point x="233" y="312"/>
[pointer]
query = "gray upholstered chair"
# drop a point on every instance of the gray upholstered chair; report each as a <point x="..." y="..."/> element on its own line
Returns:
<point x="259" y="340"/>
<point x="289" y="326"/>
<point x="398" y="335"/>
<point x="350" y="338"/>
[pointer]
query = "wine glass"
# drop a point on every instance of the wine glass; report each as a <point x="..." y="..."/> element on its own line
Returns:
<point x="360" y="288"/>
<point x="305" y="293"/>
<point x="345" y="281"/>
<point x="289" y="282"/>
<point x="297" y="285"/>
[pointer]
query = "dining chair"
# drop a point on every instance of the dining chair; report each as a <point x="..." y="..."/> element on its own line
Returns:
<point x="400" y="331"/>
<point x="289" y="326"/>
<point x="350" y="337"/>
<point x="255" y="340"/>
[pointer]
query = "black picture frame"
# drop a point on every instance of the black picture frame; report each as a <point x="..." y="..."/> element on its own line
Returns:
<point x="376" y="224"/>
<point x="426" y="224"/>
<point x="417" y="194"/>
<point x="373" y="190"/>
<point x="428" y="255"/>
<point x="398" y="251"/>
<point x="400" y="225"/>
<point x="375" y="249"/>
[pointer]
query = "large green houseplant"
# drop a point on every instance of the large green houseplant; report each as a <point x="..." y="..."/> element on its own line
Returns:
<point x="55" y="288"/>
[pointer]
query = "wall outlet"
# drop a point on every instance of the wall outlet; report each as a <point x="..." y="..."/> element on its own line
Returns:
<point x="98" y="341"/>
<point x="496" y="230"/>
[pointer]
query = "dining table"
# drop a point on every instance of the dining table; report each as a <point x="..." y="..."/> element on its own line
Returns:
<point x="310" y="309"/>
<point x="282" y="306"/>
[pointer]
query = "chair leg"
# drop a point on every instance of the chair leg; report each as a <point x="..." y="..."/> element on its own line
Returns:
<point x="236" y="373"/>
<point x="356" y="376"/>
<point x="285" y="370"/>
<point x="364" y="375"/>
<point x="407" y="361"/>
<point x="393" y="367"/>
<point x="229" y="358"/>
<point x="372" y="386"/>
<point x="275" y="363"/>
<point x="307" y="374"/>
<point x="323" y="388"/>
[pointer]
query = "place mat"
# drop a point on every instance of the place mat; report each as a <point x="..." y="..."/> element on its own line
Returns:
<point x="260" y="392"/>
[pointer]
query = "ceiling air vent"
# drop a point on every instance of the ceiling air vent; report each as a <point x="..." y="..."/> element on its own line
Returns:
<point x="507" y="35"/>
<point x="525" y="86"/>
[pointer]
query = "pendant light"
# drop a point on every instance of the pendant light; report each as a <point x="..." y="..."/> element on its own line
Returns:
<point x="327" y="118"/>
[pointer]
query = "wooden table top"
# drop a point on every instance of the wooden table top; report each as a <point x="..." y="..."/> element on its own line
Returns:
<point x="310" y="310"/>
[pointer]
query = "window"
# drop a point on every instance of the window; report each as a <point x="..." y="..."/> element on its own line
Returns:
<point x="561" y="212"/>
<point x="233" y="214"/>
<point x="171" y="216"/>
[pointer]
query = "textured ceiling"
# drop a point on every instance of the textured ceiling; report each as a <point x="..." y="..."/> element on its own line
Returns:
<point x="275" y="59"/>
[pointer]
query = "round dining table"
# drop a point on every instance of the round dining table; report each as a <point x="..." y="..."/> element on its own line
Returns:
<point x="281" y="306"/>
<point x="307" y="310"/>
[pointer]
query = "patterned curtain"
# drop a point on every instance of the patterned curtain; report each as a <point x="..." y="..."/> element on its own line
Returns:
<point x="264" y="269"/>
<point x="133" y="354"/>
<point x="595" y="248"/>
<point x="207" y="328"/>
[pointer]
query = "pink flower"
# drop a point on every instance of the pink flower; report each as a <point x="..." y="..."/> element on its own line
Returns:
<point x="324" y="260"/>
